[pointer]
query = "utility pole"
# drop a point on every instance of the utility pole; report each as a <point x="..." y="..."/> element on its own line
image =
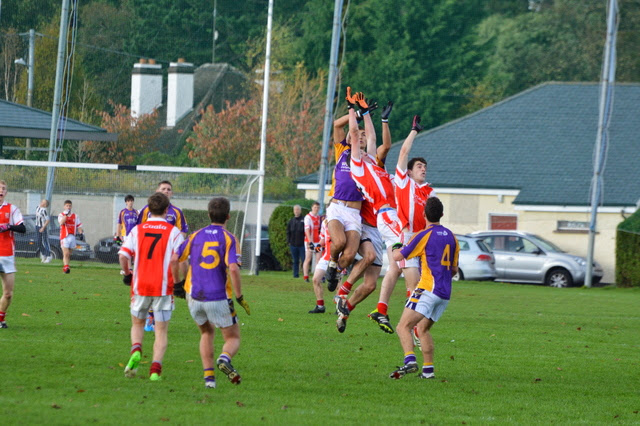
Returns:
<point x="215" y="34"/>
<point x="328" y="110"/>
<point x="57" y="95"/>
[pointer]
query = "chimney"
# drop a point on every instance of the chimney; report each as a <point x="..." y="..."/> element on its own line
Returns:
<point x="146" y="87"/>
<point x="180" y="91"/>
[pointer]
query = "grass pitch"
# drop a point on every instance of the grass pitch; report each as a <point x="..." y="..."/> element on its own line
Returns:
<point x="504" y="354"/>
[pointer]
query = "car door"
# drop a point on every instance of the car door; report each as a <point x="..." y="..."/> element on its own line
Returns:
<point x="524" y="260"/>
<point x="497" y="243"/>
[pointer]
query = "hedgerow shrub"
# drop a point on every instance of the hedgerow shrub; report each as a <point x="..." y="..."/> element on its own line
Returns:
<point x="278" y="230"/>
<point x="628" y="252"/>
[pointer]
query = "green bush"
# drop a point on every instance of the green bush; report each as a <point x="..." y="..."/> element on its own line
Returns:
<point x="198" y="219"/>
<point x="278" y="232"/>
<point x="628" y="252"/>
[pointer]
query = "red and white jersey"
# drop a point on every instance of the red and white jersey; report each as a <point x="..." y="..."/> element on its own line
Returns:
<point x="152" y="244"/>
<point x="411" y="199"/>
<point x="9" y="215"/>
<point x="70" y="226"/>
<point x="367" y="213"/>
<point x="374" y="182"/>
<point x="312" y="223"/>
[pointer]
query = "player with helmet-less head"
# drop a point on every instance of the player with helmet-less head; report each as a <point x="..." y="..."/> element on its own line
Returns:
<point x="343" y="213"/>
<point x="10" y="222"/>
<point x="311" y="238"/>
<point x="175" y="217"/>
<point x="127" y="218"/>
<point x="70" y="225"/>
<point x="437" y="250"/>
<point x="213" y="276"/>
<point x="411" y="192"/>
<point x="151" y="245"/>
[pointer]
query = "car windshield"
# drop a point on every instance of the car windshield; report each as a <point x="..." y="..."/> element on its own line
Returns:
<point x="545" y="245"/>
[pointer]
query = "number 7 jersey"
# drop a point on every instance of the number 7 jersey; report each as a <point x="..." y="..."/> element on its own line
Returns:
<point x="151" y="245"/>
<point x="210" y="252"/>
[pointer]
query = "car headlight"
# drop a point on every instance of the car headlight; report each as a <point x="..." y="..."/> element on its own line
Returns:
<point x="580" y="261"/>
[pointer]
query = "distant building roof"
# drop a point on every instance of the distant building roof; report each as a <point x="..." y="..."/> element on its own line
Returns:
<point x="540" y="141"/>
<point x="21" y="121"/>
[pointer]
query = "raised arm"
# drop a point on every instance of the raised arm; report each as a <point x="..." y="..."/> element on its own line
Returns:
<point x="338" y="128"/>
<point x="369" y="130"/>
<point x="403" y="157"/>
<point x="383" y="149"/>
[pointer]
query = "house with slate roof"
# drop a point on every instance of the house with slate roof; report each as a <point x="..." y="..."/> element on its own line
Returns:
<point x="526" y="163"/>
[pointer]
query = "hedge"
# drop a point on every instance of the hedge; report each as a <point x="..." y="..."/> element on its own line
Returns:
<point x="628" y="252"/>
<point x="278" y="230"/>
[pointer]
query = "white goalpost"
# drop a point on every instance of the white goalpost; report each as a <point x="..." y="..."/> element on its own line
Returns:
<point x="98" y="190"/>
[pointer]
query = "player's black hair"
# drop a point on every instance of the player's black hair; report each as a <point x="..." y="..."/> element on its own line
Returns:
<point x="67" y="202"/>
<point x="129" y="198"/>
<point x="158" y="203"/>
<point x="433" y="209"/>
<point x="165" y="181"/>
<point x="415" y="160"/>
<point x="219" y="208"/>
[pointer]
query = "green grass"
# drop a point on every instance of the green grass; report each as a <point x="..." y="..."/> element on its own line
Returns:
<point x="504" y="354"/>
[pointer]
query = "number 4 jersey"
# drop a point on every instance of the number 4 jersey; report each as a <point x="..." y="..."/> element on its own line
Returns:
<point x="210" y="252"/>
<point x="151" y="245"/>
<point x="437" y="248"/>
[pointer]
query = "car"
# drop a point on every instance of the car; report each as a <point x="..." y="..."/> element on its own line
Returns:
<point x="268" y="261"/>
<point x="475" y="261"/>
<point x="106" y="250"/>
<point x="27" y="244"/>
<point x="523" y="257"/>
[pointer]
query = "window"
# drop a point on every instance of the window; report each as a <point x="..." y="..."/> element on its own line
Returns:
<point x="572" y="226"/>
<point x="464" y="246"/>
<point x="503" y="222"/>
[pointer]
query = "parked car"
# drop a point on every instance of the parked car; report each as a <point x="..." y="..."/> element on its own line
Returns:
<point x="267" y="260"/>
<point x="476" y="261"/>
<point x="27" y="243"/>
<point x="527" y="258"/>
<point x="106" y="250"/>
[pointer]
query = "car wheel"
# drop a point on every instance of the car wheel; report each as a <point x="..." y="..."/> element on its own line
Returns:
<point x="55" y="254"/>
<point x="459" y="276"/>
<point x="559" y="278"/>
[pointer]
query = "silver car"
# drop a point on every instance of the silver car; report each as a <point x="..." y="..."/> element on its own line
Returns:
<point x="475" y="262"/>
<point x="527" y="258"/>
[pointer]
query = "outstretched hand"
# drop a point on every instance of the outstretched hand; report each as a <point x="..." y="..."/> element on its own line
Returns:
<point x="416" y="124"/>
<point x="386" y="111"/>
<point x="361" y="101"/>
<point x="351" y="99"/>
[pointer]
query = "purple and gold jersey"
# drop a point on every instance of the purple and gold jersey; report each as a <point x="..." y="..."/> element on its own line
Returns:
<point x="174" y="217"/>
<point x="127" y="219"/>
<point x="437" y="249"/>
<point x="210" y="251"/>
<point x="342" y="185"/>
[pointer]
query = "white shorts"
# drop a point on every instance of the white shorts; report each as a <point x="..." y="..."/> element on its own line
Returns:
<point x="323" y="264"/>
<point x="426" y="303"/>
<point x="220" y="313"/>
<point x="68" y="242"/>
<point x="389" y="226"/>
<point x="8" y="264"/>
<point x="414" y="262"/>
<point x="162" y="307"/>
<point x="347" y="216"/>
<point x="369" y="233"/>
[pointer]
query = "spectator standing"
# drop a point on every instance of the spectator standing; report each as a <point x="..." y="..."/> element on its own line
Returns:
<point x="295" y="238"/>
<point x="42" y="224"/>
